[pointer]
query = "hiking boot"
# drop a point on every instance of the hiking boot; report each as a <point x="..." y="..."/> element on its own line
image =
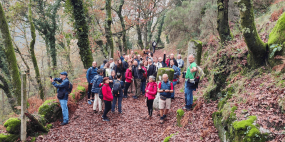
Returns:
<point x="92" y="100"/>
<point x="187" y="109"/>
<point x="89" y="102"/>
<point x="106" y="119"/>
<point x="95" y="111"/>
<point x="164" y="116"/>
<point x="125" y="96"/>
<point x="135" y="97"/>
<point x="64" y="123"/>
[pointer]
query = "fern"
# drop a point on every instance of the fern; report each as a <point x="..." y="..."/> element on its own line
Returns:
<point x="275" y="47"/>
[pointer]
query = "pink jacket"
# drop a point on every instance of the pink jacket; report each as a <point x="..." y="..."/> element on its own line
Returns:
<point x="129" y="76"/>
<point x="152" y="90"/>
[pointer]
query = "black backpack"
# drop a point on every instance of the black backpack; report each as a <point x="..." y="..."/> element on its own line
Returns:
<point x="116" y="87"/>
<point x="70" y="88"/>
<point x="101" y="93"/>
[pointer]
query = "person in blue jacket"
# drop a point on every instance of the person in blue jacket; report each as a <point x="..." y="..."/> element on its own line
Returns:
<point x="91" y="72"/>
<point x="62" y="94"/>
<point x="175" y="77"/>
<point x="96" y="81"/>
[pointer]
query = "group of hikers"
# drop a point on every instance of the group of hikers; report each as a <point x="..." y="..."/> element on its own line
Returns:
<point x="111" y="81"/>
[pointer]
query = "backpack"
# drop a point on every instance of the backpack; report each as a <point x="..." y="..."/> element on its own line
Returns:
<point x="116" y="87"/>
<point x="70" y="88"/>
<point x="101" y="93"/>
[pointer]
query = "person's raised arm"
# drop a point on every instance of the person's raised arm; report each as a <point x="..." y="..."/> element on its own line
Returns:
<point x="118" y="52"/>
<point x="63" y="84"/>
<point x="164" y="56"/>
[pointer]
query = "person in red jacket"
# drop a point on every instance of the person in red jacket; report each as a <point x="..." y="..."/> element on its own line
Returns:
<point x="151" y="90"/>
<point x="107" y="97"/>
<point x="129" y="78"/>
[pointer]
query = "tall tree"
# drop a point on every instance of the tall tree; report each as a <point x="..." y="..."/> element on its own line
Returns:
<point x="108" y="25"/>
<point x="119" y="12"/>
<point x="223" y="20"/>
<point x="257" y="48"/>
<point x="32" y="52"/>
<point x="10" y="56"/>
<point x="46" y="24"/>
<point x="82" y="32"/>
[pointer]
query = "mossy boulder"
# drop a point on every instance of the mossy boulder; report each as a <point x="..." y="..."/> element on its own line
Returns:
<point x="51" y="110"/>
<point x="246" y="131"/>
<point x="277" y="36"/>
<point x="198" y="45"/>
<point x="82" y="91"/>
<point x="9" y="137"/>
<point x="13" y="125"/>
<point x="166" y="70"/>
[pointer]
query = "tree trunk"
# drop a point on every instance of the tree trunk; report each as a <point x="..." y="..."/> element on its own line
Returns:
<point x="257" y="48"/>
<point x="33" y="56"/>
<point x="10" y="55"/>
<point x="222" y="20"/>
<point x="12" y="100"/>
<point x="48" y="55"/>
<point x="108" y="27"/>
<point x="140" y="43"/>
<point x="119" y="12"/>
<point x="158" y="40"/>
<point x="35" y="122"/>
<point x="145" y="36"/>
<point x="82" y="33"/>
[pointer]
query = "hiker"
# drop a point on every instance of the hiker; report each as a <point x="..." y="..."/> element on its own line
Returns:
<point x="175" y="76"/>
<point x="136" y="58"/>
<point x="129" y="78"/>
<point x="103" y="65"/>
<point x="122" y="58"/>
<point x="91" y="72"/>
<point x="151" y="69"/>
<point x="137" y="73"/>
<point x="97" y="80"/>
<point x="180" y="64"/>
<point x="151" y="90"/>
<point x="112" y="64"/>
<point x="172" y="58"/>
<point x="156" y="63"/>
<point x="153" y="46"/>
<point x="125" y="67"/>
<point x="161" y="63"/>
<point x="112" y="77"/>
<point x="180" y="61"/>
<point x="143" y="80"/>
<point x="62" y="94"/>
<point x="190" y="83"/>
<point x="117" y="93"/>
<point x="145" y="64"/>
<point x="149" y="55"/>
<point x="165" y="87"/>
<point x="107" y="70"/>
<point x="107" y="97"/>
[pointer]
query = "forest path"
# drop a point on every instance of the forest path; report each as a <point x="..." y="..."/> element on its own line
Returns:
<point x="131" y="126"/>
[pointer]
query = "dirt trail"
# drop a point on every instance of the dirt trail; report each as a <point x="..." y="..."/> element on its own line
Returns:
<point x="131" y="126"/>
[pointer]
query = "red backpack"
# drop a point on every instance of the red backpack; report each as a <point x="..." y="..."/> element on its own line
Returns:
<point x="145" y="72"/>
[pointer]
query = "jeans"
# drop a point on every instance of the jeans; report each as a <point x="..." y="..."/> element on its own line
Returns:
<point x="119" y="98"/>
<point x="172" y="94"/>
<point x="149" y="104"/>
<point x="188" y="95"/>
<point x="143" y="83"/>
<point x="123" y="78"/>
<point x="108" y="106"/>
<point x="138" y="87"/>
<point x="64" y="108"/>
<point x="127" y="85"/>
<point x="153" y="49"/>
<point x="89" y="91"/>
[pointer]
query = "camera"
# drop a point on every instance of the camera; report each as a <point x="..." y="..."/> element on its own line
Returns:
<point x="50" y="77"/>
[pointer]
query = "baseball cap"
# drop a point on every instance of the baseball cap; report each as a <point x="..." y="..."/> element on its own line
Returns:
<point x="63" y="73"/>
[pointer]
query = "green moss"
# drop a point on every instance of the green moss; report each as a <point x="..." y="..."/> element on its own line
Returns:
<point x="13" y="125"/>
<point x="8" y="138"/>
<point x="168" y="138"/>
<point x="180" y="112"/>
<point x="33" y="139"/>
<point x="72" y="95"/>
<point x="277" y="35"/>
<point x="179" y="115"/>
<point x="50" y="110"/>
<point x="168" y="71"/>
<point x="49" y="126"/>
<point x="247" y="132"/>
<point x="82" y="91"/>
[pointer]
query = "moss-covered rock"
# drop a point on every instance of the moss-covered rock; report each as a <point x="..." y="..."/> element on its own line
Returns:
<point x="179" y="115"/>
<point x="13" y="125"/>
<point x="51" y="110"/>
<point x="198" y="45"/>
<point x="168" y="71"/>
<point x="168" y="138"/>
<point x="246" y="131"/>
<point x="9" y="137"/>
<point x="82" y="91"/>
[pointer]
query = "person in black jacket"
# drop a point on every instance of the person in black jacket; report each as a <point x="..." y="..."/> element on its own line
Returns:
<point x="119" y="67"/>
<point x="125" y="67"/>
<point x="112" y="77"/>
<point x="137" y="73"/>
<point x="151" y="69"/>
<point x="174" y="60"/>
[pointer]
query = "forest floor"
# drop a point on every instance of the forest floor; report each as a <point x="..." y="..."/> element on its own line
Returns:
<point x="85" y="125"/>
